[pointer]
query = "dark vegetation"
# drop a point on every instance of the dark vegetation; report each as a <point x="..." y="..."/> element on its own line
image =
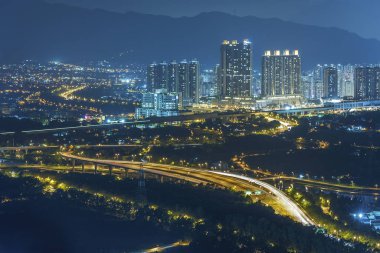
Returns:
<point x="231" y="224"/>
<point x="347" y="163"/>
<point x="225" y="151"/>
<point x="352" y="156"/>
<point x="13" y="124"/>
<point x="335" y="211"/>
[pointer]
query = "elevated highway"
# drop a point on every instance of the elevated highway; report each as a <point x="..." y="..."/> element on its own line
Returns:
<point x="273" y="197"/>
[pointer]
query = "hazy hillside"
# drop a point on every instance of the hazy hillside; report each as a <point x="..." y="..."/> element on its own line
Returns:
<point x="42" y="31"/>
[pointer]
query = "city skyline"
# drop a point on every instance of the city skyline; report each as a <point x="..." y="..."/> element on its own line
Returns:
<point x="281" y="76"/>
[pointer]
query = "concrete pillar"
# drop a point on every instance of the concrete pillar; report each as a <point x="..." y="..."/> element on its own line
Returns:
<point x="82" y="167"/>
<point x="110" y="170"/>
<point x="96" y="167"/>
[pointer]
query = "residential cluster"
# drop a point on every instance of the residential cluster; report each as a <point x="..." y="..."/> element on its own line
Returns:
<point x="281" y="82"/>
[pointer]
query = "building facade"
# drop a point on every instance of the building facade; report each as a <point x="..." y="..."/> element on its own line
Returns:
<point x="330" y="82"/>
<point x="236" y="69"/>
<point x="317" y="82"/>
<point x="193" y="86"/>
<point x="281" y="73"/>
<point x="157" y="76"/>
<point x="307" y="86"/>
<point x="367" y="83"/>
<point x="182" y="77"/>
<point x="208" y="83"/>
<point x="172" y="77"/>
<point x="158" y="104"/>
<point x="346" y="81"/>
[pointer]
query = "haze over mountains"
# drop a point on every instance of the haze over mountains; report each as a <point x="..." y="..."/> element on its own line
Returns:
<point x="32" y="29"/>
<point x="358" y="16"/>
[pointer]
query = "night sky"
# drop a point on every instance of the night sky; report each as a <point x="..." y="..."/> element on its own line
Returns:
<point x="359" y="16"/>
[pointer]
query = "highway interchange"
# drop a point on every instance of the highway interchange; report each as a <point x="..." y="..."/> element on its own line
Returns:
<point x="270" y="196"/>
<point x="274" y="197"/>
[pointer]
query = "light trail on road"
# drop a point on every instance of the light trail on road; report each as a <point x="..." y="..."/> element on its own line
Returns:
<point x="164" y="248"/>
<point x="291" y="206"/>
<point x="227" y="180"/>
<point x="321" y="185"/>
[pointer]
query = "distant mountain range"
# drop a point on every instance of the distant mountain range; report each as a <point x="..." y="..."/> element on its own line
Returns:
<point x="33" y="29"/>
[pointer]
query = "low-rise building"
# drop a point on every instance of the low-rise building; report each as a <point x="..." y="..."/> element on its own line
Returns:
<point x="158" y="104"/>
<point x="372" y="219"/>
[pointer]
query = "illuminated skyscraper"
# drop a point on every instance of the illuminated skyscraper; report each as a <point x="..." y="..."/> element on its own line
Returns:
<point x="346" y="80"/>
<point x="172" y="77"/>
<point x="236" y="69"/>
<point x="317" y="82"/>
<point x="330" y="82"/>
<point x="361" y="83"/>
<point x="333" y="81"/>
<point x="307" y="86"/>
<point x="218" y="81"/>
<point x="151" y="76"/>
<point x="157" y="76"/>
<point x="281" y="73"/>
<point x="194" y="82"/>
<point x="183" y="77"/>
<point x="367" y="83"/>
<point x="209" y="83"/>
